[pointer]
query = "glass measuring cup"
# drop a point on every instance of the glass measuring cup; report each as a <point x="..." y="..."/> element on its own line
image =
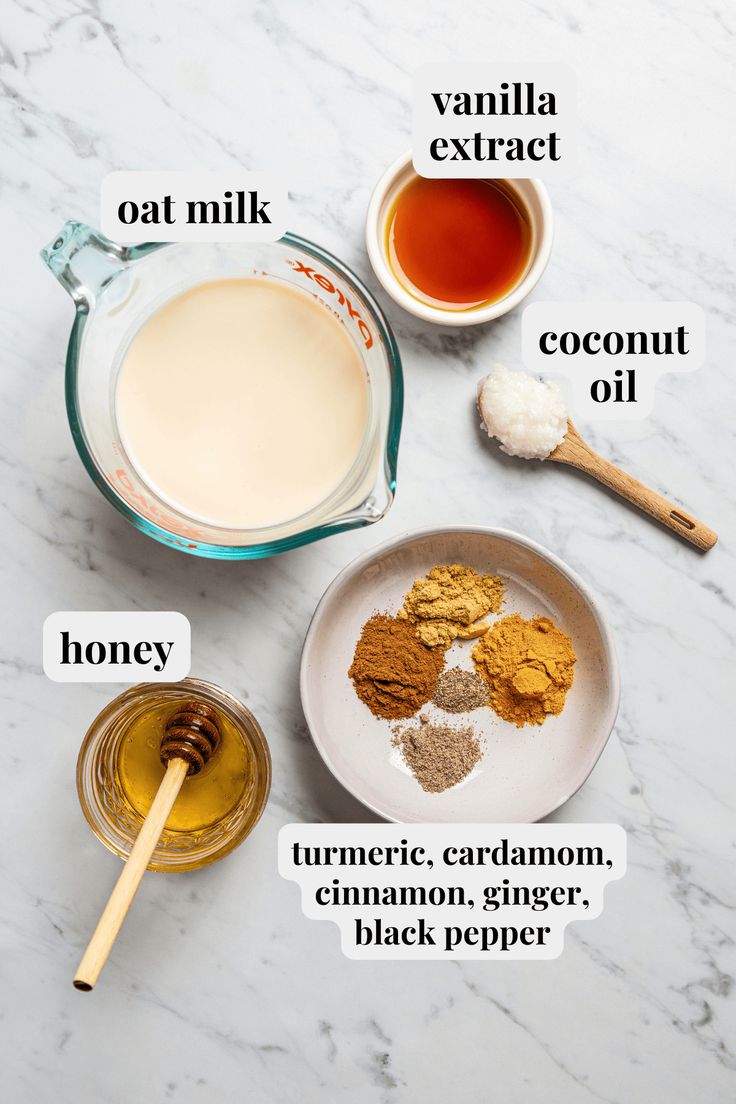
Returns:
<point x="117" y="288"/>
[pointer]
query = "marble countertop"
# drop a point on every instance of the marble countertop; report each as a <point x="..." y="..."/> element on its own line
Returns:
<point x="219" y="989"/>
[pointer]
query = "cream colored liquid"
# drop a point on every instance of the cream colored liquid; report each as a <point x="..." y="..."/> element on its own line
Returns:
<point x="242" y="403"/>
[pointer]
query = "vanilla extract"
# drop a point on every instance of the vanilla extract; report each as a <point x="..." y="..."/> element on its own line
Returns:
<point x="517" y="98"/>
<point x="479" y="147"/>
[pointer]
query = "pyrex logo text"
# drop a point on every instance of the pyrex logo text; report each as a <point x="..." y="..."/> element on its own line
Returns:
<point x="342" y="299"/>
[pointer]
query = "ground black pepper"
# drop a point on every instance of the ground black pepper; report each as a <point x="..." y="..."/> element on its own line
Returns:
<point x="460" y="691"/>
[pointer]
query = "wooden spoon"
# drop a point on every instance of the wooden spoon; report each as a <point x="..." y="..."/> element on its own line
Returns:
<point x="576" y="452"/>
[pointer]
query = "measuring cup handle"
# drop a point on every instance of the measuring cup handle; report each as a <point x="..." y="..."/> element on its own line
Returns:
<point x="84" y="261"/>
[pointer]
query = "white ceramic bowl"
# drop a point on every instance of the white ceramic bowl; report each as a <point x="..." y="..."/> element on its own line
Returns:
<point x="535" y="199"/>
<point x="525" y="773"/>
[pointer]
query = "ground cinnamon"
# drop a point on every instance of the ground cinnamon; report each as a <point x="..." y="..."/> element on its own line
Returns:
<point x="393" y="672"/>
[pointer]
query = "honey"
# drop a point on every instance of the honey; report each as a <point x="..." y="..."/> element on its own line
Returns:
<point x="119" y="770"/>
<point x="458" y="244"/>
<point x="205" y="798"/>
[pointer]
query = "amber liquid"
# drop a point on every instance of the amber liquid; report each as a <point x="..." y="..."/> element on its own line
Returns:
<point x="458" y="244"/>
<point x="205" y="798"/>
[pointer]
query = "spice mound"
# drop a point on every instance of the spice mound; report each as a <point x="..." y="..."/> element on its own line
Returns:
<point x="449" y="602"/>
<point x="528" y="666"/>
<point x="393" y="672"/>
<point x="460" y="691"/>
<point x="439" y="755"/>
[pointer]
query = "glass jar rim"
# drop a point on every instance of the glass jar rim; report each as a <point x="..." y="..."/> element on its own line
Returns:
<point x="244" y="720"/>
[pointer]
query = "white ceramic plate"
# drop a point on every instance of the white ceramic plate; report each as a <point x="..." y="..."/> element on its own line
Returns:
<point x="525" y="773"/>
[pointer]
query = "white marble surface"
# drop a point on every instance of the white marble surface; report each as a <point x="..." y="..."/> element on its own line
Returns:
<point x="219" y="989"/>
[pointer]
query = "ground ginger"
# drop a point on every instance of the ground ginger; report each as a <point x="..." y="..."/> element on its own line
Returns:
<point x="528" y="666"/>
<point x="449" y="604"/>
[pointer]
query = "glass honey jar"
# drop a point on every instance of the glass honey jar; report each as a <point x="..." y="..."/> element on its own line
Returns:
<point x="119" y="771"/>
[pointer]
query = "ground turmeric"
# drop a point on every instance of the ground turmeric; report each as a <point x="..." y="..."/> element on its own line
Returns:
<point x="528" y="666"/>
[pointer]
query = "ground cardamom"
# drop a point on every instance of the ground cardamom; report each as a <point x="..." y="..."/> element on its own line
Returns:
<point x="439" y="755"/>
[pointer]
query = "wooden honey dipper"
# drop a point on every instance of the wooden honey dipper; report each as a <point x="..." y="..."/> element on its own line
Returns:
<point x="191" y="737"/>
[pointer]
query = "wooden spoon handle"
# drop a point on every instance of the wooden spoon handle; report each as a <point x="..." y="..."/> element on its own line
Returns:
<point x="115" y="910"/>
<point x="578" y="453"/>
